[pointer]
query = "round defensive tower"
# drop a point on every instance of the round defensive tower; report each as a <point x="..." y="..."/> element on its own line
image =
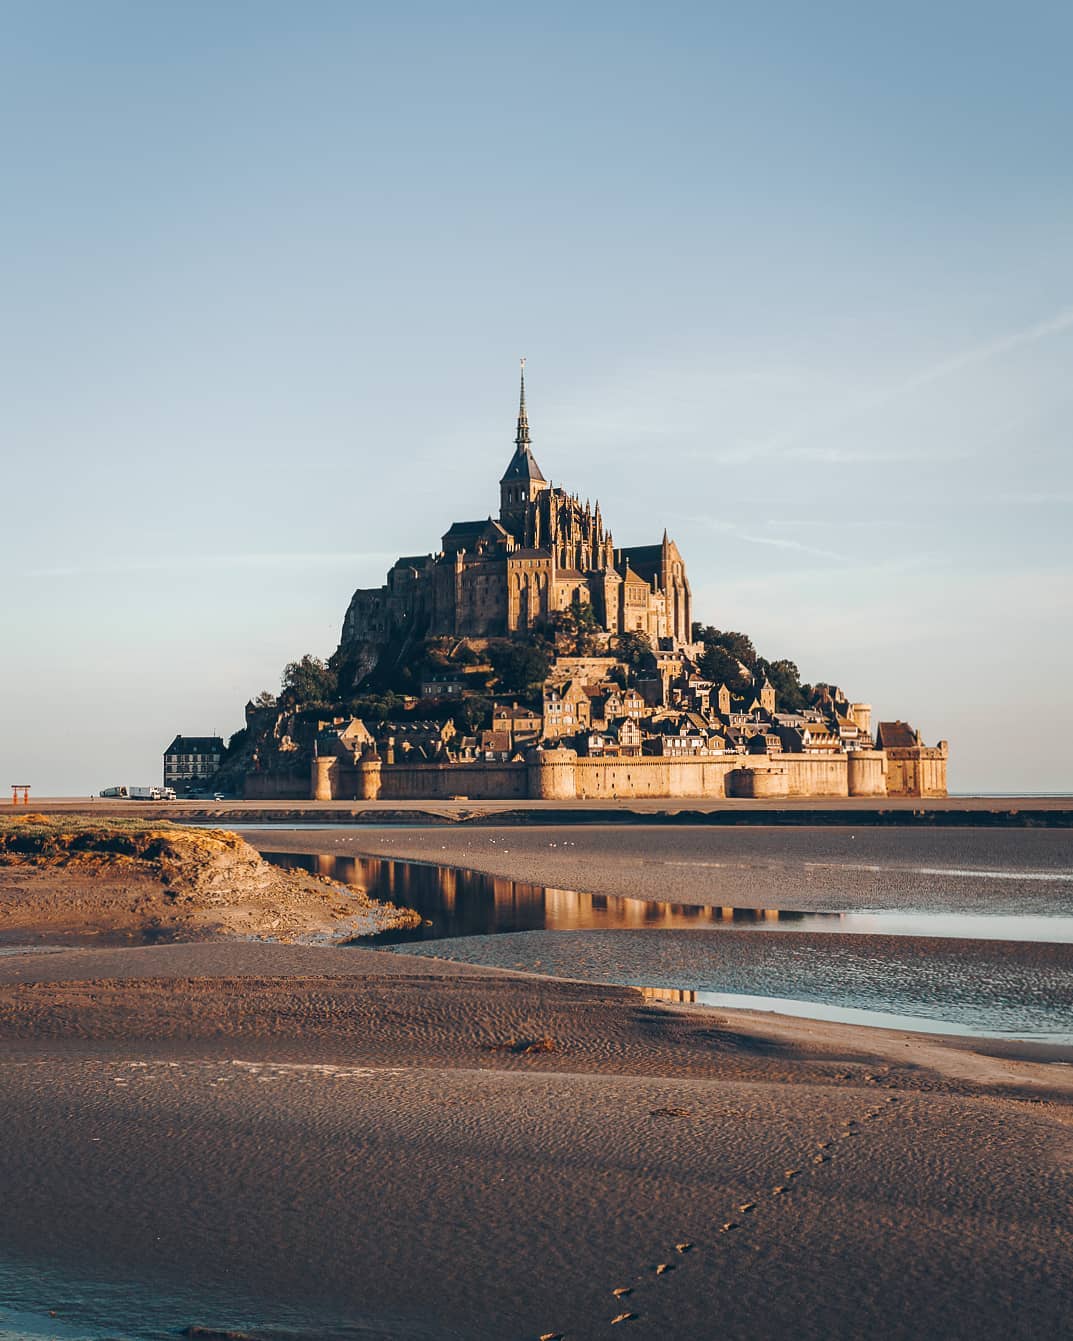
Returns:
<point x="866" y="773"/>
<point x="552" y="775"/>
<point x="758" y="783"/>
<point x="324" y="775"/>
<point x="367" y="778"/>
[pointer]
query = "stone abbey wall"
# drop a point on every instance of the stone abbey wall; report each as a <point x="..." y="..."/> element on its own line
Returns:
<point x="916" y="772"/>
<point x="277" y="786"/>
<point x="444" y="782"/>
<point x="559" y="775"/>
<point x="571" y="778"/>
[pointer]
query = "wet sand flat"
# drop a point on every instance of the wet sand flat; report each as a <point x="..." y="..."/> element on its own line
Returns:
<point x="1021" y="989"/>
<point x="400" y="1147"/>
<point x="999" y="871"/>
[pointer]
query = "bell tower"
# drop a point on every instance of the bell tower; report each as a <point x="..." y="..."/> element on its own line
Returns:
<point x="522" y="481"/>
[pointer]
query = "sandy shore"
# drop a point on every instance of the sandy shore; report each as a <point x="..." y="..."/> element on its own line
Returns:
<point x="291" y="1141"/>
<point x="914" y="811"/>
<point x="389" y="1147"/>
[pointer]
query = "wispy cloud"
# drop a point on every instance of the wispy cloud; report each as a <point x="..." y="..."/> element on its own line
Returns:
<point x="954" y="363"/>
<point x="809" y="440"/>
<point x="967" y="358"/>
<point x="751" y="538"/>
<point x="843" y="523"/>
<point x="1059" y="498"/>
<point x="201" y="563"/>
<point x="780" y="542"/>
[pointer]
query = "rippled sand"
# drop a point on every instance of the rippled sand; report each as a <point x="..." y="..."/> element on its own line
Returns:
<point x="349" y="1143"/>
<point x="384" y="1146"/>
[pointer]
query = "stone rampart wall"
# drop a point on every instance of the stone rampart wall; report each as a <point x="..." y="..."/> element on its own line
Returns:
<point x="918" y="771"/>
<point x="815" y="774"/>
<point x="602" y="779"/>
<point x="277" y="786"/>
<point x="441" y="782"/>
<point x="559" y="775"/>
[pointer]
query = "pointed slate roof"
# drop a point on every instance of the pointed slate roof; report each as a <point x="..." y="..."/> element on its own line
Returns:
<point x="523" y="464"/>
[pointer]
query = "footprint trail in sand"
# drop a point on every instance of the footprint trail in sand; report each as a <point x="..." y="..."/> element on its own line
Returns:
<point x="753" y="1209"/>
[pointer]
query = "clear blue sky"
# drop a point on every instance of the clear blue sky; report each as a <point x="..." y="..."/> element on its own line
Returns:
<point x="794" y="280"/>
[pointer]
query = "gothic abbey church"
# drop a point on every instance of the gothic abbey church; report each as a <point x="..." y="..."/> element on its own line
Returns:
<point x="547" y="553"/>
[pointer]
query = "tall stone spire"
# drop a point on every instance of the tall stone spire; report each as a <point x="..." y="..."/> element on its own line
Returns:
<point x="522" y="482"/>
<point x="522" y="437"/>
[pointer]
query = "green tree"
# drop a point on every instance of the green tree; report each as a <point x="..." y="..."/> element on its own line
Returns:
<point x="238" y="740"/>
<point x="716" y="664"/>
<point x="738" y="645"/>
<point x="519" y="665"/>
<point x="786" y="680"/>
<point x="634" y="648"/>
<point x="435" y="659"/>
<point x="265" y="699"/>
<point x="472" y="714"/>
<point x="375" y="707"/>
<point x="310" y="680"/>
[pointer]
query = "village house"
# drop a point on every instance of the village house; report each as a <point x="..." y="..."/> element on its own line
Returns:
<point x="567" y="710"/>
<point x="443" y="686"/>
<point x="495" y="747"/>
<point x="676" y="740"/>
<point x="596" y="744"/>
<point x="191" y="761"/>
<point x="627" y="734"/>
<point x="418" y="740"/>
<point x="522" y="725"/>
<point x="624" y="703"/>
<point x="764" y="742"/>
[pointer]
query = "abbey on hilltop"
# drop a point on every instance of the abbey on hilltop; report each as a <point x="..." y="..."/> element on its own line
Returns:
<point x="529" y="658"/>
<point x="547" y="553"/>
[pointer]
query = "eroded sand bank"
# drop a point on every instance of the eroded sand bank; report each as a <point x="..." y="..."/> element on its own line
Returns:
<point x="81" y="878"/>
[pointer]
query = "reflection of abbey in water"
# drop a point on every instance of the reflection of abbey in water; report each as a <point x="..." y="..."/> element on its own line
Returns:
<point x="454" y="901"/>
<point x="678" y="996"/>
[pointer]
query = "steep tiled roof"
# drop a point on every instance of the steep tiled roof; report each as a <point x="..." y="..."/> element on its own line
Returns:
<point x="522" y="466"/>
<point x="468" y="527"/>
<point x="895" y="735"/>
<point x="196" y="745"/>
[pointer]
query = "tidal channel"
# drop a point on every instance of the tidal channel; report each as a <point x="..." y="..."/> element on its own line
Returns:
<point x="937" y="971"/>
<point x="454" y="901"/>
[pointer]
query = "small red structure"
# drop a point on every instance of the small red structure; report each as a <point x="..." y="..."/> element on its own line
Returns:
<point x="16" y="788"/>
